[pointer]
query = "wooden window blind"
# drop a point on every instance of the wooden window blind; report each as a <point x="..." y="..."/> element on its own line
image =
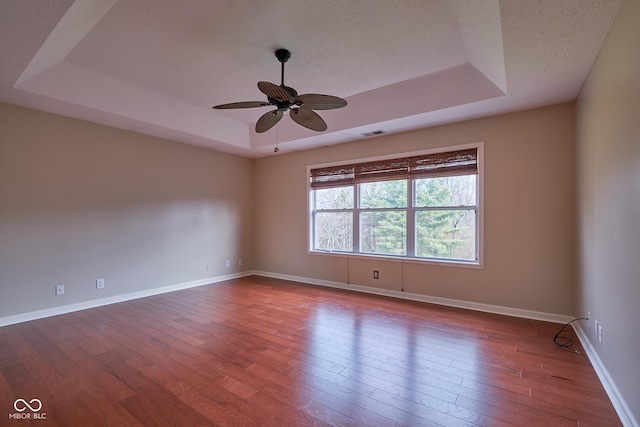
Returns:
<point x="461" y="162"/>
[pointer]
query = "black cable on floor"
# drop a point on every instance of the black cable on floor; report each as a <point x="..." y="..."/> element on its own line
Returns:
<point x="564" y="338"/>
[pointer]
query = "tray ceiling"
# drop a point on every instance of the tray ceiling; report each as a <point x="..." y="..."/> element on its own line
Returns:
<point x="157" y="66"/>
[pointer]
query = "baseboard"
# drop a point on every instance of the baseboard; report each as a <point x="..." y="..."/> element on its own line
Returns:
<point x="487" y="308"/>
<point x="54" y="311"/>
<point x="623" y="410"/>
<point x="508" y="311"/>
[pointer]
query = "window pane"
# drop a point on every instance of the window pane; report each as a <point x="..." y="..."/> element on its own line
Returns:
<point x="334" y="198"/>
<point x="446" y="234"/>
<point x="446" y="191"/>
<point x="383" y="232"/>
<point x="334" y="231"/>
<point x="383" y="194"/>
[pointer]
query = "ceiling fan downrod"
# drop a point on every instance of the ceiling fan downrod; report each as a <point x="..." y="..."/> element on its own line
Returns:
<point x="283" y="56"/>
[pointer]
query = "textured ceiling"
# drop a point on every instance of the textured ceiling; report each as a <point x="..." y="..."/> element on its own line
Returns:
<point x="157" y="66"/>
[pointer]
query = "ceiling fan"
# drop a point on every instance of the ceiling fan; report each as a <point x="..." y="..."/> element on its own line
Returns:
<point x="286" y="98"/>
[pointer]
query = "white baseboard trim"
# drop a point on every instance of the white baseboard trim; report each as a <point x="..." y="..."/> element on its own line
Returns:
<point x="620" y="405"/>
<point x="487" y="308"/>
<point x="54" y="311"/>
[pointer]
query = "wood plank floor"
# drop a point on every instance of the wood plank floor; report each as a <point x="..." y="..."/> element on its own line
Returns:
<point x="265" y="352"/>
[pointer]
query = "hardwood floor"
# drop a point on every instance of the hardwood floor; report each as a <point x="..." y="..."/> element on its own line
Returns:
<point x="265" y="352"/>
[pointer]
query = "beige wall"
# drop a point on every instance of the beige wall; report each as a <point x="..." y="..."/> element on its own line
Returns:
<point x="608" y="123"/>
<point x="80" y="201"/>
<point x="529" y="200"/>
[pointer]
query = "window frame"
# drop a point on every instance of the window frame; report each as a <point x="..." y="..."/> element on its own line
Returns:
<point x="411" y="211"/>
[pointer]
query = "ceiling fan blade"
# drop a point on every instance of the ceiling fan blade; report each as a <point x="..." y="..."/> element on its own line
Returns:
<point x="245" y="104"/>
<point x="274" y="91"/>
<point x="308" y="118"/>
<point x="268" y="120"/>
<point x="315" y="101"/>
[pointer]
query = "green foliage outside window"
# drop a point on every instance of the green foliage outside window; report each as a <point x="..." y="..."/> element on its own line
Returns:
<point x="445" y="233"/>
<point x="444" y="223"/>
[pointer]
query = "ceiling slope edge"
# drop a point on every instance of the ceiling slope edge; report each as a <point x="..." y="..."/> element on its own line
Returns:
<point x="49" y="74"/>
<point x="76" y="23"/>
<point x="89" y="88"/>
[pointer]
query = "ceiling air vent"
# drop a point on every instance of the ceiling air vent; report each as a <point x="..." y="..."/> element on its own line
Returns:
<point x="374" y="133"/>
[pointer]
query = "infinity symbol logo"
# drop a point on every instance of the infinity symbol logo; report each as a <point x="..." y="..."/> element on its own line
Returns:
<point x="27" y="405"/>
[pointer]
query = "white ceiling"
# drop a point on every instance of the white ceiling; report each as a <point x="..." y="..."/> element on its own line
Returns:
<point x="157" y="66"/>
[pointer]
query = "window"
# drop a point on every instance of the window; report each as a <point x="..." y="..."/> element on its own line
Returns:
<point x="425" y="206"/>
<point x="334" y="219"/>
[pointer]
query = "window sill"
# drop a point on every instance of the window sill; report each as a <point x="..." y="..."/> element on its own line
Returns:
<point x="391" y="258"/>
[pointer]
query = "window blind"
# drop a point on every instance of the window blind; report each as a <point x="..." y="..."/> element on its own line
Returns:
<point x="461" y="162"/>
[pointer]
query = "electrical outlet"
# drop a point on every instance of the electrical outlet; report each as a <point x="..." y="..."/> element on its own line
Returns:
<point x="59" y="289"/>
<point x="100" y="284"/>
<point x="376" y="275"/>
<point x="240" y="262"/>
<point x="207" y="267"/>
<point x="227" y="264"/>
<point x="599" y="333"/>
